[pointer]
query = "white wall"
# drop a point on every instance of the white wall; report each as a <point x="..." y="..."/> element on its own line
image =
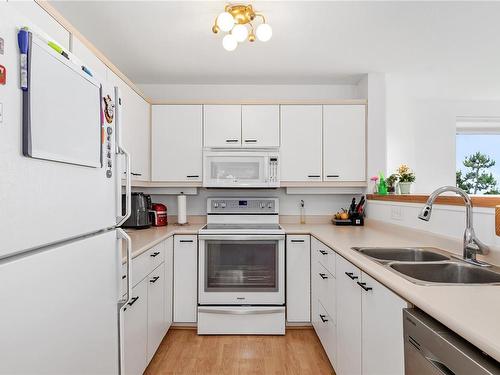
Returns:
<point x="248" y="92"/>
<point x="448" y="221"/>
<point x="421" y="124"/>
<point x="289" y="204"/>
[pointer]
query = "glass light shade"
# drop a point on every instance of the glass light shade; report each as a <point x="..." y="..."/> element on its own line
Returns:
<point x="229" y="42"/>
<point x="264" y="32"/>
<point x="225" y="21"/>
<point x="240" y="32"/>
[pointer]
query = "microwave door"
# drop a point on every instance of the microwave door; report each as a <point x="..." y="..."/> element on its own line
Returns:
<point x="241" y="171"/>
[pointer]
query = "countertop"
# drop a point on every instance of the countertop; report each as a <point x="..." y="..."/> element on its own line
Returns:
<point x="470" y="311"/>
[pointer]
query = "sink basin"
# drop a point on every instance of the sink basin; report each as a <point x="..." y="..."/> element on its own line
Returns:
<point x="446" y="273"/>
<point x="407" y="254"/>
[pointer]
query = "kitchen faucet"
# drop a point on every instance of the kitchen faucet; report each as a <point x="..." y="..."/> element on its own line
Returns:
<point x="472" y="245"/>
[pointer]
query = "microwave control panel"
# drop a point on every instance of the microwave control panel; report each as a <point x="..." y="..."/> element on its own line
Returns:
<point x="242" y="206"/>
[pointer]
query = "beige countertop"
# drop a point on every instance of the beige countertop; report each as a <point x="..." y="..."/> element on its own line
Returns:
<point x="144" y="239"/>
<point x="471" y="311"/>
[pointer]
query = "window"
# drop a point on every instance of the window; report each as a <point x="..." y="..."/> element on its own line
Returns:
<point x="478" y="155"/>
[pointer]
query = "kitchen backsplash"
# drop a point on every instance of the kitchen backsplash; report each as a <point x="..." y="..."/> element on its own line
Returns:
<point x="289" y="204"/>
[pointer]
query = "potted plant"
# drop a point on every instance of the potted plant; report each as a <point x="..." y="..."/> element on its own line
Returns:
<point x="391" y="183"/>
<point x="406" y="178"/>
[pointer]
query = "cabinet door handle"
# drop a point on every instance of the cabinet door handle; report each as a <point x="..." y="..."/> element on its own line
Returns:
<point x="323" y="276"/>
<point x="186" y="241"/>
<point x="136" y="174"/>
<point x="124" y="277"/>
<point x="154" y="279"/>
<point x="351" y="275"/>
<point x="363" y="285"/>
<point x="250" y="140"/>
<point x="323" y="252"/>
<point x="332" y="175"/>
<point x="297" y="240"/>
<point x="193" y="176"/>
<point x="232" y="140"/>
<point x="323" y="318"/>
<point x="313" y="176"/>
<point x="155" y="254"/>
<point x="133" y="300"/>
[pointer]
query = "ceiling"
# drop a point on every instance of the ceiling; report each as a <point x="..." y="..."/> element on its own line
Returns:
<point x="314" y="42"/>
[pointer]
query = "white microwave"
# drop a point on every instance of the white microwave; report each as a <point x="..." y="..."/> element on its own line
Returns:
<point x="241" y="169"/>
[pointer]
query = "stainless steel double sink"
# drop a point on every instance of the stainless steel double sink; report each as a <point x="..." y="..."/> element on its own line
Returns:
<point x="430" y="266"/>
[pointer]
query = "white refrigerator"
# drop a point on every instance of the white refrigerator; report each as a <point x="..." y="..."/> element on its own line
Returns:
<point x="60" y="247"/>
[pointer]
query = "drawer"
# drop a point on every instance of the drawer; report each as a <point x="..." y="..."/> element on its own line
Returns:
<point x="324" y="255"/>
<point x="144" y="264"/>
<point x="325" y="286"/>
<point x="241" y="320"/>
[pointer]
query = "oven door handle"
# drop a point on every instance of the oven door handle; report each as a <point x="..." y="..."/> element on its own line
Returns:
<point x="231" y="237"/>
<point x="240" y="311"/>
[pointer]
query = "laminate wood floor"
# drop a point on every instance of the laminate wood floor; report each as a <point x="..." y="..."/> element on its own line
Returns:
<point x="182" y="351"/>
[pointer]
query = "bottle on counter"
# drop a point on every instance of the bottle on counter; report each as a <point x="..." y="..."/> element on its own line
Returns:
<point x="302" y="212"/>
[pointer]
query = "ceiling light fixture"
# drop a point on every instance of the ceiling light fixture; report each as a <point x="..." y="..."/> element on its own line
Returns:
<point x="237" y="21"/>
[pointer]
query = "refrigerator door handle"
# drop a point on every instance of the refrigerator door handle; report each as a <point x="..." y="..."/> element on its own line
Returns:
<point x="124" y="301"/>
<point x="128" y="187"/>
<point x="121" y="234"/>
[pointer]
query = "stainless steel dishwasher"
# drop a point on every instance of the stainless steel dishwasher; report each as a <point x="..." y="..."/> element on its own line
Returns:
<point x="431" y="348"/>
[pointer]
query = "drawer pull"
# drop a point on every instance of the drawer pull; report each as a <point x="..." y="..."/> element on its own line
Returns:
<point x="232" y="140"/>
<point x="251" y="140"/>
<point x="186" y="241"/>
<point x="193" y="176"/>
<point x="133" y="300"/>
<point x="124" y="277"/>
<point x="155" y="254"/>
<point x="351" y="275"/>
<point x="323" y="276"/>
<point x="154" y="279"/>
<point x="135" y="174"/>
<point x="363" y="285"/>
<point x="322" y="317"/>
<point x="313" y="176"/>
<point x="333" y="175"/>
<point x="323" y="252"/>
<point x="298" y="241"/>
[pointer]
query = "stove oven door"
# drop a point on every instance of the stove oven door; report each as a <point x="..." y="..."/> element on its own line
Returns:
<point x="241" y="270"/>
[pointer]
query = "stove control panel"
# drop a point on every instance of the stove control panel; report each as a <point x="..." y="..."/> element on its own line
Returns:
<point x="242" y="206"/>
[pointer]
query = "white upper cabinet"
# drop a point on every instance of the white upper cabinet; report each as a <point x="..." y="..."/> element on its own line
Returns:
<point x="260" y="125"/>
<point x="222" y="125"/>
<point x="135" y="130"/>
<point x="344" y="143"/>
<point x="176" y="142"/>
<point x="301" y="134"/>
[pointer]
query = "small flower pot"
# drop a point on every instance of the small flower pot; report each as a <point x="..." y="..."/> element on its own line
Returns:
<point x="405" y="187"/>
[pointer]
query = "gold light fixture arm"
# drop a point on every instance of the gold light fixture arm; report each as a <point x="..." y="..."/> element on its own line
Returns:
<point x="261" y="16"/>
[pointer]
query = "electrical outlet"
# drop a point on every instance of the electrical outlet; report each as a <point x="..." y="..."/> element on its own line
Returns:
<point x="396" y="213"/>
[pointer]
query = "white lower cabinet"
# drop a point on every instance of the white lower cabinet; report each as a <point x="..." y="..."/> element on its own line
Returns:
<point x="348" y="319"/>
<point x="156" y="309"/>
<point x="298" y="280"/>
<point x="185" y="278"/>
<point x="135" y="328"/>
<point x="369" y="324"/>
<point x="382" y="329"/>
<point x="358" y="320"/>
<point x="147" y="317"/>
